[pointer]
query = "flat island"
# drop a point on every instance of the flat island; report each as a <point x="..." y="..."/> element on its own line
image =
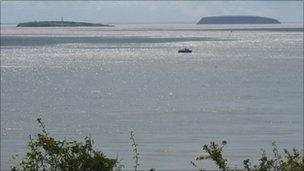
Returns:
<point x="238" y="20"/>
<point x="61" y="24"/>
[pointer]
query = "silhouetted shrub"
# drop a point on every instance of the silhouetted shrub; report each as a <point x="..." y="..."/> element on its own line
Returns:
<point x="47" y="153"/>
<point x="290" y="162"/>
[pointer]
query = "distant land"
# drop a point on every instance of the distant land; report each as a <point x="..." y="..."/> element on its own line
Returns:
<point x="238" y="20"/>
<point x="60" y="24"/>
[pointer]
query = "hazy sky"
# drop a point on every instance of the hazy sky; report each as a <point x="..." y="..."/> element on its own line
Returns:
<point x="146" y="12"/>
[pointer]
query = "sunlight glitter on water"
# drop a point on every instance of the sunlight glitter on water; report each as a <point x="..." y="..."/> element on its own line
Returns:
<point x="244" y="87"/>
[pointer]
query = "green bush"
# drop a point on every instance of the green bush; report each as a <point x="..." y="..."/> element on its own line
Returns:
<point x="47" y="153"/>
<point x="289" y="162"/>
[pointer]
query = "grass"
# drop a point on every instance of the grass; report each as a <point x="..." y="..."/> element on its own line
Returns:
<point x="135" y="150"/>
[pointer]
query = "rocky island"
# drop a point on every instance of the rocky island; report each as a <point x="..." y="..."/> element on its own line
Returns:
<point x="61" y="24"/>
<point x="238" y="20"/>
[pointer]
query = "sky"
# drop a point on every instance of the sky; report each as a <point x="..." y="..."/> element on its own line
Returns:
<point x="145" y="11"/>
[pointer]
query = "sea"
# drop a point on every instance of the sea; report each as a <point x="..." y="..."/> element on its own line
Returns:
<point x="241" y="83"/>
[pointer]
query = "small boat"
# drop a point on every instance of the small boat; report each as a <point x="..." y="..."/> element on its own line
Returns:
<point x="185" y="50"/>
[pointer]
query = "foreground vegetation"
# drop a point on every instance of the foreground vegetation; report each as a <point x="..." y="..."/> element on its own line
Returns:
<point x="289" y="162"/>
<point x="47" y="153"/>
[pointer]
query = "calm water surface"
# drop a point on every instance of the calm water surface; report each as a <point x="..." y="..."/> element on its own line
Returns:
<point x="245" y="87"/>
